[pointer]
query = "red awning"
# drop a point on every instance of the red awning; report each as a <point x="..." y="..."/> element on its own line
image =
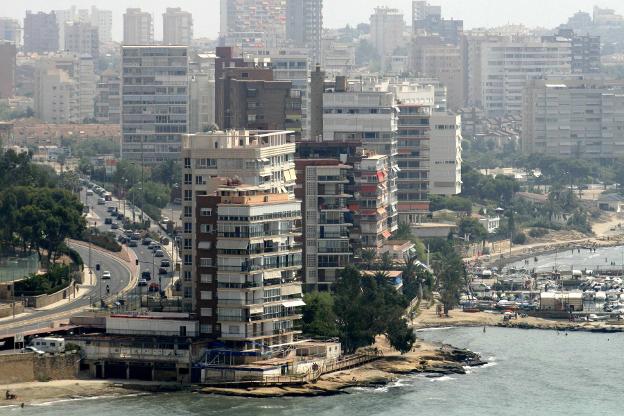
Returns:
<point x="380" y="176"/>
<point x="386" y="234"/>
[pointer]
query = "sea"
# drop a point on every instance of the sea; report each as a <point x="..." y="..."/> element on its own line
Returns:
<point x="529" y="372"/>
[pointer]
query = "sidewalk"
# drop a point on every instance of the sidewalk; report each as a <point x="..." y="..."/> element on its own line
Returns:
<point x="81" y="291"/>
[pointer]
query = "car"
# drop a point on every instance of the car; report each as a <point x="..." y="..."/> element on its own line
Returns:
<point x="164" y="220"/>
<point x="32" y="349"/>
<point x="120" y="216"/>
<point x="132" y="243"/>
<point x="154" y="246"/>
<point x="154" y="287"/>
<point x="165" y="263"/>
<point x="122" y="239"/>
<point x="114" y="226"/>
<point x="101" y="201"/>
<point x="89" y="192"/>
<point x="162" y="270"/>
<point x="106" y="275"/>
<point x="110" y="209"/>
<point x="146" y="275"/>
<point x="159" y="253"/>
<point x="135" y="236"/>
<point x="142" y="282"/>
<point x="147" y="241"/>
<point x="108" y="221"/>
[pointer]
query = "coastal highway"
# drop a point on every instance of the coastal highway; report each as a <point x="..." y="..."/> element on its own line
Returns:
<point x="35" y="319"/>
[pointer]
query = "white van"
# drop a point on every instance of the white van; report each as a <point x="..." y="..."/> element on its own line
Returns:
<point x="48" y="344"/>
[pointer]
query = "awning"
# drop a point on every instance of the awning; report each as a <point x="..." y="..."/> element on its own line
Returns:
<point x="232" y="244"/>
<point x="290" y="175"/>
<point x="386" y="234"/>
<point x="380" y="176"/>
<point x="274" y="274"/>
<point x="381" y="211"/>
<point x="293" y="303"/>
<point x="204" y="245"/>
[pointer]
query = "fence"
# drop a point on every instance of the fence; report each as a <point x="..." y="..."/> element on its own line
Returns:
<point x="17" y="268"/>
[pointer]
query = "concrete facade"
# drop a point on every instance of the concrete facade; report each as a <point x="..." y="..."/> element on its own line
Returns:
<point x="177" y="27"/>
<point x="138" y="28"/>
<point x="445" y="154"/>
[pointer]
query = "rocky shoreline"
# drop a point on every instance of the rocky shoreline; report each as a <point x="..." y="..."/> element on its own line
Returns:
<point x="426" y="358"/>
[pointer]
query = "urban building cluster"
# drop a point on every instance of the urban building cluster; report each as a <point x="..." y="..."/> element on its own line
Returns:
<point x="297" y="152"/>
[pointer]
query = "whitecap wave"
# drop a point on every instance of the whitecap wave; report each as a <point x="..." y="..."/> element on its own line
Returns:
<point x="443" y="378"/>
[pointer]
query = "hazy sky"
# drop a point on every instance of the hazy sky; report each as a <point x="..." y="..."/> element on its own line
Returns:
<point x="475" y="13"/>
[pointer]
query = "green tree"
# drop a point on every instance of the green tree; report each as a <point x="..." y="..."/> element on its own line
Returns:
<point x="451" y="276"/>
<point x="472" y="226"/>
<point x="319" y="319"/>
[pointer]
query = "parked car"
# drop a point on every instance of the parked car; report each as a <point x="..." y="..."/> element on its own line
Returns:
<point x="162" y="270"/>
<point x="154" y="287"/>
<point x="154" y="246"/>
<point x="101" y="201"/>
<point x="89" y="192"/>
<point x="147" y="241"/>
<point x="132" y="243"/>
<point x="106" y="275"/>
<point x="114" y="226"/>
<point x="108" y="221"/>
<point x="146" y="275"/>
<point x="165" y="263"/>
<point x="110" y="209"/>
<point x="142" y="282"/>
<point x="159" y="253"/>
<point x="135" y="236"/>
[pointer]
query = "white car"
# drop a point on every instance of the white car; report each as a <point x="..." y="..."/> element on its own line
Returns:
<point x="106" y="275"/>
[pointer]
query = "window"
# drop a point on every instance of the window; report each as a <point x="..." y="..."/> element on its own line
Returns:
<point x="187" y="163"/>
<point x="187" y="276"/>
<point x="205" y="228"/>
<point x="188" y="227"/>
<point x="206" y="278"/>
<point x="233" y="329"/>
<point x="188" y="212"/>
<point x="188" y="244"/>
<point x="188" y="179"/>
<point x="188" y="292"/>
<point x="188" y="195"/>
<point x="206" y="311"/>
<point x="205" y="212"/>
<point x="205" y="328"/>
<point x="205" y="295"/>
<point x="205" y="262"/>
<point x="188" y="260"/>
<point x="199" y="180"/>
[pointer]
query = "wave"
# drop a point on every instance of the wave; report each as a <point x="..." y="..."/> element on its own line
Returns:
<point x="82" y="398"/>
<point x="442" y="328"/>
<point x="443" y="378"/>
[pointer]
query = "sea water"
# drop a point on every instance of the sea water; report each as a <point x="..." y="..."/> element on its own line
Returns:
<point x="529" y="372"/>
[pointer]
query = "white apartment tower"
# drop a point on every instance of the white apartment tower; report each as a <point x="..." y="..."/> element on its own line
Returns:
<point x="445" y="154"/>
<point x="138" y="28"/>
<point x="177" y="27"/>
<point x="387" y="27"/>
<point x="304" y="26"/>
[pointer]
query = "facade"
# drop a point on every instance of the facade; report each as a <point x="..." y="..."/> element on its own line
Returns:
<point x="427" y="20"/>
<point x="585" y="50"/>
<point x="250" y="98"/>
<point x="253" y="23"/>
<point x="264" y="161"/>
<point x="289" y="65"/>
<point x="323" y="186"/>
<point x="371" y="117"/>
<point x="574" y="118"/>
<point x="472" y="51"/>
<point x="108" y="98"/>
<point x="100" y="19"/>
<point x="431" y="56"/>
<point x="138" y="28"/>
<point x="8" y="53"/>
<point x="154" y="102"/>
<point x="507" y="66"/>
<point x="304" y="26"/>
<point x="445" y="154"/>
<point x="337" y="56"/>
<point x="177" y="27"/>
<point x="56" y="96"/>
<point x="201" y="102"/>
<point x="103" y="20"/>
<point x="387" y="27"/>
<point x="10" y="31"/>
<point x="82" y="38"/>
<point x="80" y="68"/>
<point x="40" y="32"/>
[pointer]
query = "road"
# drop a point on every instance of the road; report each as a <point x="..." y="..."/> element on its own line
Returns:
<point x="35" y="319"/>
<point x="147" y="261"/>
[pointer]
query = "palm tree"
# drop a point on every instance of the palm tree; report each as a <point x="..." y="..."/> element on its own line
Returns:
<point x="386" y="262"/>
<point x="368" y="256"/>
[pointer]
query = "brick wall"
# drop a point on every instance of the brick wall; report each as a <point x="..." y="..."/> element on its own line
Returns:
<point x="22" y="368"/>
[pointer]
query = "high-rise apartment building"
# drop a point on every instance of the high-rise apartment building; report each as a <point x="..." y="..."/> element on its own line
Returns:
<point x="40" y="32"/>
<point x="574" y="118"/>
<point x="238" y="190"/>
<point x="387" y="28"/>
<point x="177" y="27"/>
<point x="253" y="23"/>
<point x="427" y="20"/>
<point x="352" y="114"/>
<point x="585" y="50"/>
<point x="100" y="19"/>
<point x="288" y="65"/>
<point x="304" y="26"/>
<point x="8" y="53"/>
<point x="202" y="92"/>
<point x="82" y="38"/>
<point x="57" y="95"/>
<point x="431" y="56"/>
<point x="154" y="102"/>
<point x="103" y="20"/>
<point x="108" y="98"/>
<point x="138" y="28"/>
<point x="507" y="66"/>
<point x="10" y="31"/>
<point x="445" y="154"/>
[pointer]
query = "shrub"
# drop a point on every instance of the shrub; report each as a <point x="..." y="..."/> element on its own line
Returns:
<point x="520" y="239"/>
<point x="57" y="278"/>
<point x="538" y="232"/>
<point x="106" y="241"/>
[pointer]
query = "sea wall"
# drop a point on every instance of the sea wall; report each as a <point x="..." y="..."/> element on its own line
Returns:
<point x="6" y="309"/>
<point x="26" y="367"/>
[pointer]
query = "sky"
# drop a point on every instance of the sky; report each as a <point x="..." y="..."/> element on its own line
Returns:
<point x="337" y="13"/>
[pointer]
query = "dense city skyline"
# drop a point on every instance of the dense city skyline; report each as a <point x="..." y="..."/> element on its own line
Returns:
<point x="337" y="13"/>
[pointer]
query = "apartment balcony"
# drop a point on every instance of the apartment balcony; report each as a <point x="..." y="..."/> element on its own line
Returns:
<point x="226" y="336"/>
